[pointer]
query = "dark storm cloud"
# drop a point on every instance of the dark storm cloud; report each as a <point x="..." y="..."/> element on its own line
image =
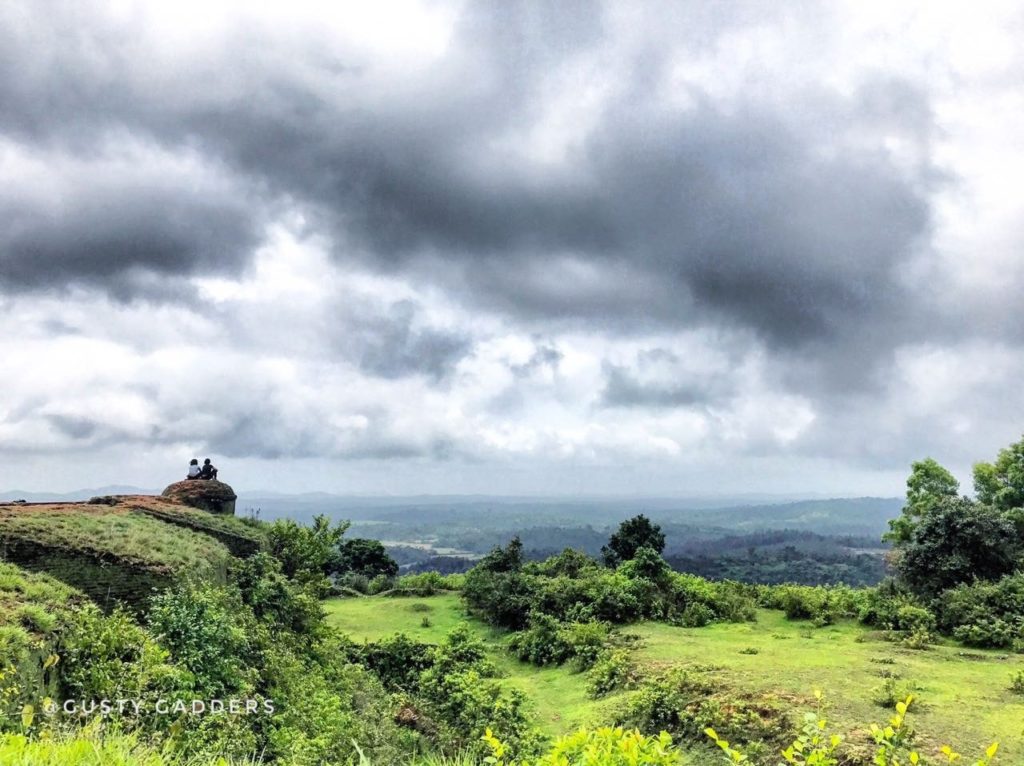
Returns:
<point x="388" y="345"/>
<point x="661" y="380"/>
<point x="267" y="435"/>
<point x="785" y="217"/>
<point x="113" y="221"/>
<point x="622" y="390"/>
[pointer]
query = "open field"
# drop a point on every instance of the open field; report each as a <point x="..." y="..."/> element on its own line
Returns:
<point x="964" y="696"/>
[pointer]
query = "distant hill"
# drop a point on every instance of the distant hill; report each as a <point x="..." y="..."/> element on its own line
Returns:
<point x="837" y="516"/>
<point x="832" y="516"/>
<point x="78" y="494"/>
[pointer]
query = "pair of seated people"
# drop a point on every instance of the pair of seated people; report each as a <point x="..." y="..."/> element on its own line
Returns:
<point x="206" y="472"/>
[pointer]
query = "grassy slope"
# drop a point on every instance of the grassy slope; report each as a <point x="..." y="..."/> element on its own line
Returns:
<point x="159" y="507"/>
<point x="559" y="695"/>
<point x="131" y="537"/>
<point x="964" y="693"/>
<point x="30" y="604"/>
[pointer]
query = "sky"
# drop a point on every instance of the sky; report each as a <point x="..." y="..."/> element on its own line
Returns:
<point x="680" y="248"/>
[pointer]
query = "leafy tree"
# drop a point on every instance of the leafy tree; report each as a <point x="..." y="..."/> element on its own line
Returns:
<point x="1001" y="484"/>
<point x="957" y="541"/>
<point x="366" y="557"/>
<point x="497" y="588"/>
<point x="507" y="559"/>
<point x="306" y="554"/>
<point x="632" y="535"/>
<point x="927" y="484"/>
<point x="274" y="598"/>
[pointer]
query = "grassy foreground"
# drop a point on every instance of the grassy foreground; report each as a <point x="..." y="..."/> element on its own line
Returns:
<point x="964" y="695"/>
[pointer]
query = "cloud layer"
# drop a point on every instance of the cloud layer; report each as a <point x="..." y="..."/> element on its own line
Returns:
<point x="665" y="243"/>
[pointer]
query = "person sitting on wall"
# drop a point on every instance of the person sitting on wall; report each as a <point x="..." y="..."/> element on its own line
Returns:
<point x="208" y="471"/>
<point x="193" y="469"/>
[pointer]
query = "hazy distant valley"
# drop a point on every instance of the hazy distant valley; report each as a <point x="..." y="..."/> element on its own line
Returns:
<point x="807" y="541"/>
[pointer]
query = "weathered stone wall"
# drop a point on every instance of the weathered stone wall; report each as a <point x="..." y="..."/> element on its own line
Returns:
<point x="107" y="581"/>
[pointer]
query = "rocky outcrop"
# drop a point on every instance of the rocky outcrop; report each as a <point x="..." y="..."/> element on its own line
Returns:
<point x="205" y="494"/>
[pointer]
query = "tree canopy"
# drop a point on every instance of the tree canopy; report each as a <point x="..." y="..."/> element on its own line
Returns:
<point x="632" y="535"/>
<point x="1001" y="484"/>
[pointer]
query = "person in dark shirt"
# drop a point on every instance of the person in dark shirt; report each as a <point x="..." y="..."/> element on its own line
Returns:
<point x="208" y="471"/>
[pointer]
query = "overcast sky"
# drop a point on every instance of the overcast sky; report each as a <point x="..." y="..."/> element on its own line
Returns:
<point x="554" y="248"/>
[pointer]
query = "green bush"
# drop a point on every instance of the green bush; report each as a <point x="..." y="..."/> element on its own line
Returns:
<point x="587" y="642"/>
<point x="112" y="657"/>
<point x="821" y="604"/>
<point x="89" y="748"/>
<point x="613" y="670"/>
<point x="696" y="615"/>
<point x="685" y="703"/>
<point x="429" y="583"/>
<point x="985" y="614"/>
<point x="598" y="747"/>
<point x="274" y="598"/>
<point x="398" y="661"/>
<point x="697" y="602"/>
<point x="814" y="746"/>
<point x="549" y="642"/>
<point x="541" y="643"/>
<point x="208" y="631"/>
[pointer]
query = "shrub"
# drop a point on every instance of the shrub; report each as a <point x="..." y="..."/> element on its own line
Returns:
<point x="821" y="604"/>
<point x="549" y="642"/>
<point x="685" y="703"/>
<point x="397" y="661"/>
<point x="307" y="554"/>
<point x="541" y="643"/>
<point x="889" y="608"/>
<point x="498" y="590"/>
<point x="891" y="692"/>
<point x="112" y="657"/>
<point x="599" y="747"/>
<point x="696" y="615"/>
<point x="569" y="563"/>
<point x="985" y="614"/>
<point x="587" y="642"/>
<point x="91" y="748"/>
<point x="380" y="584"/>
<point x="275" y="599"/>
<point x="697" y="602"/>
<point x="1017" y="682"/>
<point x="614" y="670"/>
<point x="429" y="583"/>
<point x="208" y="631"/>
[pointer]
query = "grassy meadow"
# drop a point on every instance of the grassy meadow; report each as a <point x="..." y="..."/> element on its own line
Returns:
<point x="963" y="693"/>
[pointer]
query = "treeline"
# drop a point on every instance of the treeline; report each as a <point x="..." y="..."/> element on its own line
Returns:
<point x="767" y="556"/>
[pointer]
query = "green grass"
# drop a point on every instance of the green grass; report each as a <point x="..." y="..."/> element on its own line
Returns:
<point x="965" y="696"/>
<point x="92" y="749"/>
<point x="559" y="695"/>
<point x="200" y="520"/>
<point x="130" y="537"/>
